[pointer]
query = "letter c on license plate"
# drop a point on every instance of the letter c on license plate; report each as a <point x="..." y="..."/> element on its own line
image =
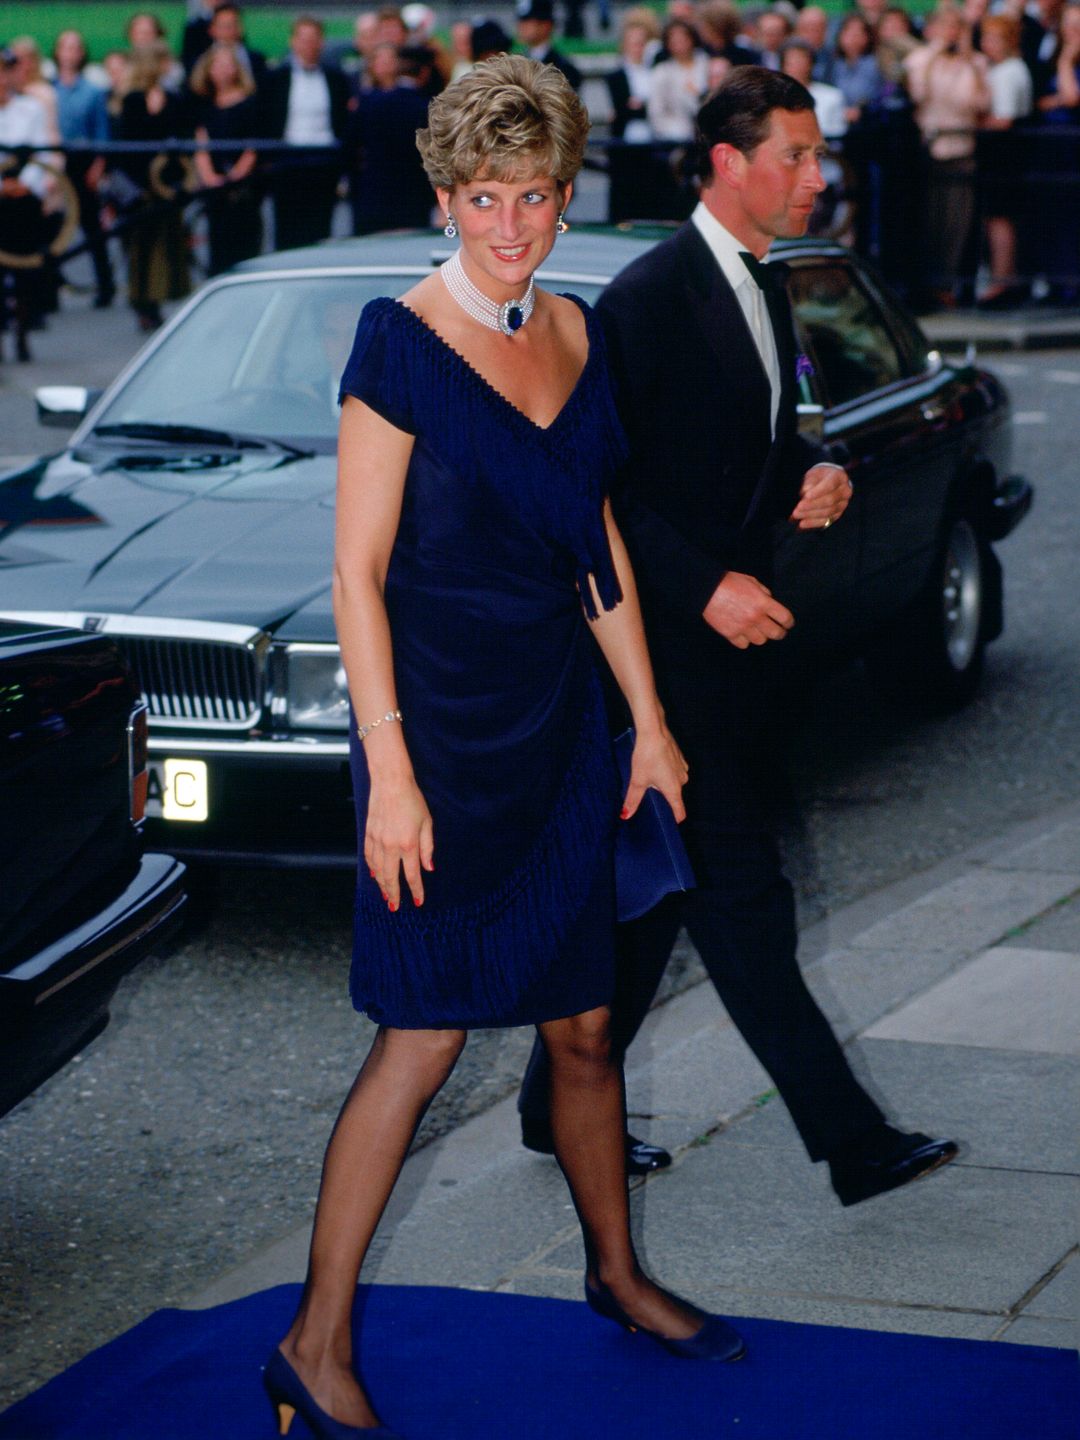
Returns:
<point x="178" y="790"/>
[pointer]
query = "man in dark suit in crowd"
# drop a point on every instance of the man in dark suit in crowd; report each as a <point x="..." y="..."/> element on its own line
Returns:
<point x="306" y="103"/>
<point x="224" y="27"/>
<point x="388" y="186"/>
<point x="716" y="461"/>
<point x="535" y="27"/>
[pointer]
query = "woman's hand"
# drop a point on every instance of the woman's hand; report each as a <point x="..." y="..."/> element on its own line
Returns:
<point x="399" y="836"/>
<point x="657" y="764"/>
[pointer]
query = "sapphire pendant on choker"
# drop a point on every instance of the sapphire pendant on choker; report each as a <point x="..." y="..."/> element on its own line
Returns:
<point x="508" y="318"/>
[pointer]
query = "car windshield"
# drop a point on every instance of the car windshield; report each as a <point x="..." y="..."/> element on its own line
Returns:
<point x="258" y="358"/>
<point x="255" y="358"/>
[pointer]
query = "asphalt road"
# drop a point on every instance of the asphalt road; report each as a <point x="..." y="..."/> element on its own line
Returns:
<point x="190" y="1134"/>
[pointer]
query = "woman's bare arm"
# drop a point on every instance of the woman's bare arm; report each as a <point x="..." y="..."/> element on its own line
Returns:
<point x="658" y="762"/>
<point x="373" y="457"/>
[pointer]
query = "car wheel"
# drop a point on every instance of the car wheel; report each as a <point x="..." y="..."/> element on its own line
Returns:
<point x="932" y="656"/>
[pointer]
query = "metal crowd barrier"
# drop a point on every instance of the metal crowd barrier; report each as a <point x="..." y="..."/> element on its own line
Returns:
<point x="879" y="178"/>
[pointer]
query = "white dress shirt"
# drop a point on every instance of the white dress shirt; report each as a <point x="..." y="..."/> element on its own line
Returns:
<point x="23" y="121"/>
<point x="726" y="251"/>
<point x="308" y="119"/>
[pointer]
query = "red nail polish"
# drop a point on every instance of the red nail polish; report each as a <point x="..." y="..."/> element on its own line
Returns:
<point x="372" y="874"/>
<point x="623" y="813"/>
<point x="416" y="901"/>
<point x="385" y="896"/>
<point x="393" y="906"/>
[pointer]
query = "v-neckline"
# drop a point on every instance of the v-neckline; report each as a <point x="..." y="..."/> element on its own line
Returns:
<point x="491" y="389"/>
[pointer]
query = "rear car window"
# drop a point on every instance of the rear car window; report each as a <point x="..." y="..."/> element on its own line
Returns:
<point x="843" y="328"/>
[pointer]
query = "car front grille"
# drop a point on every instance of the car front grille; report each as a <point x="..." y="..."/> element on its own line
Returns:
<point x="194" y="674"/>
<point x="197" y="683"/>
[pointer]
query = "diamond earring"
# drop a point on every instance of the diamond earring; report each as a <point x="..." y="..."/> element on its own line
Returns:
<point x="561" y="226"/>
<point x="450" y="229"/>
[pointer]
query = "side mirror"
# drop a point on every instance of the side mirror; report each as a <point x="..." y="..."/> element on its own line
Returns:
<point x="811" y="421"/>
<point x="64" y="405"/>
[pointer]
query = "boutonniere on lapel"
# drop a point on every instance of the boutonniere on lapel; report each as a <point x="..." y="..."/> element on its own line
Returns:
<point x="803" y="367"/>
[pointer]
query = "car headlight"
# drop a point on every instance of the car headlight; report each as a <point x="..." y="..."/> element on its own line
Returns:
<point x="316" y="695"/>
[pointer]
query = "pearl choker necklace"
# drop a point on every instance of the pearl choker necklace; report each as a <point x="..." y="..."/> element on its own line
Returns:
<point x="507" y="318"/>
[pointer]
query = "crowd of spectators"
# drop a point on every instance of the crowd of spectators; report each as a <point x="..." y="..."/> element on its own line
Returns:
<point x="957" y="133"/>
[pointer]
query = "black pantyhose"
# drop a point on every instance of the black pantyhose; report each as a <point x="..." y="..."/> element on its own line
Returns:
<point x="402" y="1074"/>
<point x="588" y="1123"/>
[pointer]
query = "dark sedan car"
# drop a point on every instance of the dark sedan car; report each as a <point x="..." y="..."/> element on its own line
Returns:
<point x="80" y="903"/>
<point x="191" y="518"/>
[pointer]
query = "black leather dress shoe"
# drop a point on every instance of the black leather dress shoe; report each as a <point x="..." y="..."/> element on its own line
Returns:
<point x="641" y="1157"/>
<point x="884" y="1160"/>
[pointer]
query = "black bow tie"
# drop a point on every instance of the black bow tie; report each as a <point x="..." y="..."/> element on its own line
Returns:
<point x="769" y="278"/>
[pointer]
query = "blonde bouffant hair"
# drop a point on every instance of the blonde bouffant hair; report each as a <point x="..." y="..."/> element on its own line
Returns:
<point x="506" y="119"/>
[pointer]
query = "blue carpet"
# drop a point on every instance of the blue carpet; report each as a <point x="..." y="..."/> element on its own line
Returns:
<point x="467" y="1365"/>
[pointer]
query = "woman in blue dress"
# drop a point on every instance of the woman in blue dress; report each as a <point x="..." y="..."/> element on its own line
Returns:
<point x="475" y="553"/>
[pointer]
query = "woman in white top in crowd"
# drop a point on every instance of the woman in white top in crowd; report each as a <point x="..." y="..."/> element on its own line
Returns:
<point x="679" y="84"/>
<point x="1011" y="99"/>
<point x="630" y="84"/>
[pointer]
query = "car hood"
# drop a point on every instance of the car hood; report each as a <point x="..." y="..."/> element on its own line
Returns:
<point x="245" y="539"/>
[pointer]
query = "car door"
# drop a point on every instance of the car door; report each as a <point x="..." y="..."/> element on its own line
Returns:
<point x="887" y="418"/>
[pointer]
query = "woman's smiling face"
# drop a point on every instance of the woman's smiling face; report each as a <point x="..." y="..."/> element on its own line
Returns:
<point x="507" y="227"/>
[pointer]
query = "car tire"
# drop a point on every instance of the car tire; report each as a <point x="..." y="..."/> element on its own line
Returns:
<point x="931" y="657"/>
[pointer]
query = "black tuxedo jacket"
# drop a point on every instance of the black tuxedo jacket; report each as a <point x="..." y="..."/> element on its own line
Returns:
<point x="706" y="480"/>
<point x="704" y="486"/>
<point x="274" y="95"/>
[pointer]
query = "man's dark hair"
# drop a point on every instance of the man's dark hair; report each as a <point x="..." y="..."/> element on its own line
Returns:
<point x="737" y="112"/>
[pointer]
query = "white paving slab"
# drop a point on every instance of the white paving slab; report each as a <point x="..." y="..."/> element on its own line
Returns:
<point x="1005" y="999"/>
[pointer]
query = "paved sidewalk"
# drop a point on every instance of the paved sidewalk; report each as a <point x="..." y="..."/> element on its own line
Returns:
<point x="961" y="987"/>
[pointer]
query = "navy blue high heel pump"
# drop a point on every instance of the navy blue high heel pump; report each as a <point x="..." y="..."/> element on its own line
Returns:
<point x="290" y="1396"/>
<point x="716" y="1340"/>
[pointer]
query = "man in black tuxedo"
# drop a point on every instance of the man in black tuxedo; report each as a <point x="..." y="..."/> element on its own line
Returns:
<point x="702" y="345"/>
<point x="224" y="27"/>
<point x="306" y="102"/>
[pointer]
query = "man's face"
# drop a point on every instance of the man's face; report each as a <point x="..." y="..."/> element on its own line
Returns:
<point x="364" y="32"/>
<point x="307" y="43"/>
<point x="772" y="31"/>
<point x="813" y="26"/>
<point x="225" y="28"/>
<point x="391" y="31"/>
<point x="532" y="33"/>
<point x="778" y="183"/>
<point x="69" y="49"/>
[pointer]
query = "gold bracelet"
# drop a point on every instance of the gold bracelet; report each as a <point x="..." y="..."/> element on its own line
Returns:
<point x="365" y="730"/>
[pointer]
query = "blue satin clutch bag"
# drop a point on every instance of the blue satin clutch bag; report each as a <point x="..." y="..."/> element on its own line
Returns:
<point x="650" y="857"/>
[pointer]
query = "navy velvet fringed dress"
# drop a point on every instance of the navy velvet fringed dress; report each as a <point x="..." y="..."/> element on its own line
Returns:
<point x="501" y="526"/>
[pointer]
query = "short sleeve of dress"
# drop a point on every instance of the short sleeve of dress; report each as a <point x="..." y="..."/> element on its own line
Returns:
<point x="377" y="371"/>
